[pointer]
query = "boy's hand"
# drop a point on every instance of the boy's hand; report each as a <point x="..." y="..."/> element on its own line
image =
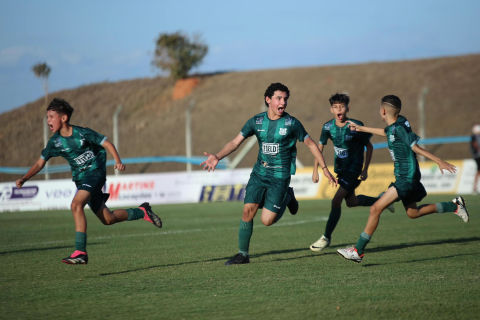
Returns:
<point x="119" y="166"/>
<point x="210" y="163"/>
<point x="364" y="175"/>
<point x="331" y="179"/>
<point x="443" y="165"/>
<point x="315" y="177"/>
<point x="20" y="183"/>
<point x="353" y="126"/>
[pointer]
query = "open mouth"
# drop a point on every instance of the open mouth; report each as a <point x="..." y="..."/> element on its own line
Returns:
<point x="281" y="110"/>
<point x="50" y="127"/>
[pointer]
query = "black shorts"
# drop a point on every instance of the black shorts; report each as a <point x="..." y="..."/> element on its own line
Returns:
<point x="477" y="160"/>
<point x="409" y="192"/>
<point x="94" y="185"/>
<point x="349" y="181"/>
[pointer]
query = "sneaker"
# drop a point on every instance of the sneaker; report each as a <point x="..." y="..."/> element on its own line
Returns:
<point x="78" y="257"/>
<point x="461" y="211"/>
<point x="351" y="254"/>
<point x="321" y="244"/>
<point x="150" y="216"/>
<point x="293" y="204"/>
<point x="238" y="259"/>
<point x="391" y="207"/>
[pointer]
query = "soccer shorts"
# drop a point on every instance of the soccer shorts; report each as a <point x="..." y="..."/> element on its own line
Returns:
<point x="349" y="181"/>
<point x="271" y="192"/>
<point x="477" y="160"/>
<point x="94" y="185"/>
<point x="409" y="192"/>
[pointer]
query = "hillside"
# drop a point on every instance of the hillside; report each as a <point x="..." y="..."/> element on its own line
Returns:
<point x="152" y="124"/>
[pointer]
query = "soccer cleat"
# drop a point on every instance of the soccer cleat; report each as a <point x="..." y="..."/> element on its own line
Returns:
<point x="293" y="204"/>
<point x="238" y="259"/>
<point x="391" y="207"/>
<point x="351" y="254"/>
<point x="461" y="211"/>
<point x="321" y="244"/>
<point x="150" y="216"/>
<point x="78" y="257"/>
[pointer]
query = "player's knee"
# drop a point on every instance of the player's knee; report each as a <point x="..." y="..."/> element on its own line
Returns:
<point x="375" y="210"/>
<point x="267" y="221"/>
<point x="108" y="221"/>
<point x="412" y="215"/>
<point x="76" y="206"/>
<point x="337" y="202"/>
<point x="350" y="203"/>
<point x="247" y="214"/>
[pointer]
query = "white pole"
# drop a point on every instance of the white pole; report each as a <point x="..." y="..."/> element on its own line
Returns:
<point x="116" y="141"/>
<point x="45" y="141"/>
<point x="188" y="135"/>
<point x="421" y="110"/>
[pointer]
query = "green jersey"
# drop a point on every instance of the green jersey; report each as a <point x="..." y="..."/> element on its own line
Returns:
<point x="401" y="140"/>
<point x="83" y="150"/>
<point x="277" y="141"/>
<point x="349" y="146"/>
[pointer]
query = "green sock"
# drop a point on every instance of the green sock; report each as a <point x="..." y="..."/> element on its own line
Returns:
<point x="135" y="214"/>
<point x="332" y="222"/>
<point x="362" y="242"/>
<point x="446" y="207"/>
<point x="282" y="209"/>
<point x="81" y="241"/>
<point x="364" y="201"/>
<point x="244" y="235"/>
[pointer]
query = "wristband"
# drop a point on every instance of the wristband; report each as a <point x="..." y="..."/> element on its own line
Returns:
<point x="324" y="167"/>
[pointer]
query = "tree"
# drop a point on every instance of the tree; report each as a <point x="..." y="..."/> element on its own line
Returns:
<point x="178" y="54"/>
<point x="42" y="71"/>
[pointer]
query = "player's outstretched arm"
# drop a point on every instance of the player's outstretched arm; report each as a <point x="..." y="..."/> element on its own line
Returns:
<point x="442" y="165"/>
<point x="31" y="172"/>
<point x="368" y="158"/>
<point x="113" y="151"/>
<point x="376" y="131"/>
<point x="213" y="159"/>
<point x="318" y="155"/>
<point x="315" y="177"/>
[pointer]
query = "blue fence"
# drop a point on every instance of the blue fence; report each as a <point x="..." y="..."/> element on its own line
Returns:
<point x="66" y="168"/>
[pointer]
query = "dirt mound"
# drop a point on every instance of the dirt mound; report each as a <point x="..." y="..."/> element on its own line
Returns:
<point x="184" y="87"/>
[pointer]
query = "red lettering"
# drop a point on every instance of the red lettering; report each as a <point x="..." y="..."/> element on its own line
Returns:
<point x="114" y="191"/>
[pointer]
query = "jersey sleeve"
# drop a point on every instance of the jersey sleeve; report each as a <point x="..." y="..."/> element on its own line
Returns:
<point x="299" y="131"/>
<point x="49" y="152"/>
<point x="409" y="138"/>
<point x="248" y="129"/>
<point x="324" y="136"/>
<point x="94" y="137"/>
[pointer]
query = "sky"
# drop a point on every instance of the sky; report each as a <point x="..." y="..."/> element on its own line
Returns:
<point x="87" y="41"/>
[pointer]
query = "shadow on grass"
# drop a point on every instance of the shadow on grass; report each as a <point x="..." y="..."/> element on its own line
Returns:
<point x="419" y="260"/>
<point x="44" y="249"/>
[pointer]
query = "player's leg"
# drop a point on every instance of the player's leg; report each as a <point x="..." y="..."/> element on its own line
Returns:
<point x="356" y="253"/>
<point x="457" y="206"/>
<point x="277" y="198"/>
<point x="475" y="191"/>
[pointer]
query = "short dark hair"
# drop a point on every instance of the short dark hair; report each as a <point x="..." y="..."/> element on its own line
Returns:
<point x="339" y="98"/>
<point x="61" y="107"/>
<point x="275" y="87"/>
<point x="393" y="101"/>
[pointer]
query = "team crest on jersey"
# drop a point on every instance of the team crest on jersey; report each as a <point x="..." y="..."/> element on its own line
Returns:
<point x="283" y="131"/>
<point x="328" y="126"/>
<point x="348" y="137"/>
<point x="82" y="141"/>
<point x="259" y="120"/>
<point x="393" y="129"/>
<point x="407" y="124"/>
<point x="58" y="143"/>
<point x="341" y="153"/>
<point x="288" y="122"/>
<point x="391" y="138"/>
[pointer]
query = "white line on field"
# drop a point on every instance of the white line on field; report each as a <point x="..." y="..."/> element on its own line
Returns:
<point x="280" y="224"/>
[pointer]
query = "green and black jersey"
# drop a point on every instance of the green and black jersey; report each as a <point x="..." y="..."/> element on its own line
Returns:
<point x="349" y="146"/>
<point x="83" y="150"/>
<point x="277" y="143"/>
<point x="401" y="140"/>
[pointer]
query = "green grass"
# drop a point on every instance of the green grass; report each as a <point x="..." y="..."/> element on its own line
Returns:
<point x="427" y="268"/>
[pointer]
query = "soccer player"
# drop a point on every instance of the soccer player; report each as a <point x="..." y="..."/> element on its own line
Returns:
<point x="349" y="153"/>
<point x="277" y="133"/>
<point x="84" y="149"/>
<point x="402" y="144"/>
<point x="475" y="149"/>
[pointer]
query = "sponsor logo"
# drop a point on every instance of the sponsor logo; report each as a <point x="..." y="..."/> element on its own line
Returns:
<point x="407" y="124"/>
<point x="344" y="181"/>
<point x="288" y="122"/>
<point x="283" y="131"/>
<point x="391" y="138"/>
<point x="119" y="190"/>
<point x="270" y="148"/>
<point x="9" y="193"/>
<point x="348" y="137"/>
<point x="328" y="126"/>
<point x="59" y="193"/>
<point x="275" y="206"/>
<point x="58" y="143"/>
<point x="82" y="159"/>
<point x="341" y="153"/>
<point x="260" y="130"/>
<point x="222" y="193"/>
<point x="392" y="155"/>
<point x="86" y="185"/>
<point x="66" y="149"/>
<point x="259" y="120"/>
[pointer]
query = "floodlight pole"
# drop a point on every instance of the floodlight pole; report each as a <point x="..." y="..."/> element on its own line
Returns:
<point x="45" y="141"/>
<point x="116" y="141"/>
<point x="188" y="135"/>
<point x="421" y="110"/>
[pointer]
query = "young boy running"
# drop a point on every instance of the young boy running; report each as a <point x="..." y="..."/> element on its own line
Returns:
<point x="402" y="144"/>
<point x="349" y="149"/>
<point x="277" y="133"/>
<point x="84" y="149"/>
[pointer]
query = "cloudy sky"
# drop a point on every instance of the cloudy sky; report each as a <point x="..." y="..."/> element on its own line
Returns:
<point x="93" y="41"/>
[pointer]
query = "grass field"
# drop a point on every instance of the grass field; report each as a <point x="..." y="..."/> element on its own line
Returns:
<point x="427" y="268"/>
